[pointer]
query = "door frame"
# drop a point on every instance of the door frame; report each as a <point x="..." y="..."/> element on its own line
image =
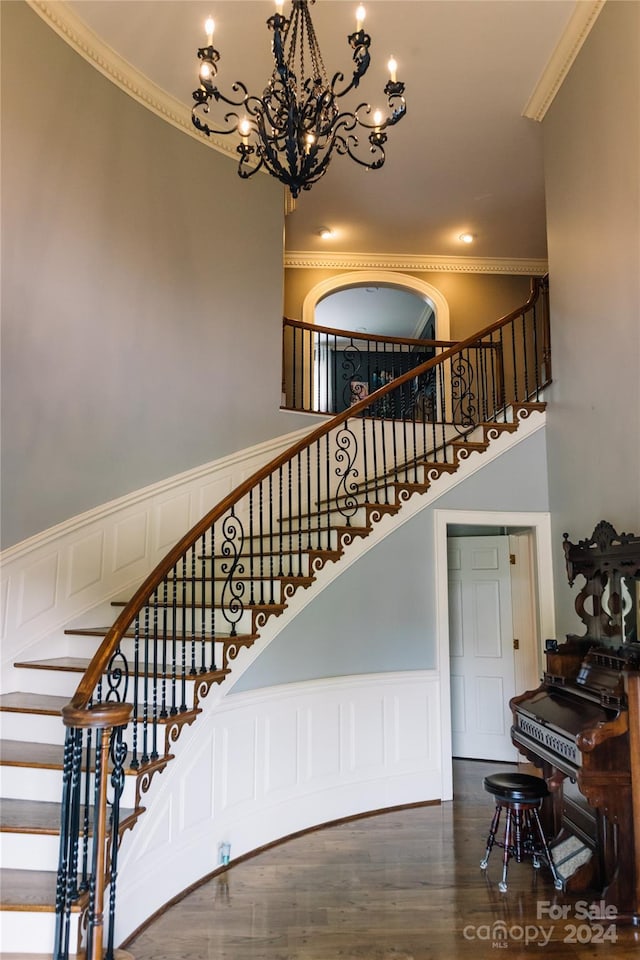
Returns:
<point x="540" y="524"/>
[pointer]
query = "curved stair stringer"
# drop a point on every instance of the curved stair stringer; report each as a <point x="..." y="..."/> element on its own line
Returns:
<point x="152" y="847"/>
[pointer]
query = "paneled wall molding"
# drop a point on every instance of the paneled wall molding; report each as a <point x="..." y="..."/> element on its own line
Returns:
<point x="260" y="766"/>
<point x="582" y="19"/>
<point x="59" y="574"/>
<point x="310" y="260"/>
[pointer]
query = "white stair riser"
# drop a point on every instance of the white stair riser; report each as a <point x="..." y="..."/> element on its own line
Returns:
<point x="29" y="851"/>
<point x="198" y="620"/>
<point x="34" y="931"/>
<point x="260" y="591"/>
<point x="353" y="514"/>
<point x="31" y="783"/>
<point x="295" y="563"/>
<point x="32" y="727"/>
<point x="84" y="647"/>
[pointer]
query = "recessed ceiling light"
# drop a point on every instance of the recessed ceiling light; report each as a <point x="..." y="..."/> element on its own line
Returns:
<point x="325" y="232"/>
<point x="466" y="237"/>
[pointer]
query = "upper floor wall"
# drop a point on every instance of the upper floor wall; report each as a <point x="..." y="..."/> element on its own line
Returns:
<point x="592" y="158"/>
<point x="141" y="295"/>
<point x="474" y="299"/>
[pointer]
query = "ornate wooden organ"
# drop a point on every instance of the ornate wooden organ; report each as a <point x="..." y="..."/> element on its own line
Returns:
<point x="582" y="726"/>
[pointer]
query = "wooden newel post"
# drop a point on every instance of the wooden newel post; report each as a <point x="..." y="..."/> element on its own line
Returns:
<point x="102" y="718"/>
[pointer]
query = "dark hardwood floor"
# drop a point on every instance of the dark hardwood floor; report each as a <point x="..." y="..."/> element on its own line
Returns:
<point x="403" y="885"/>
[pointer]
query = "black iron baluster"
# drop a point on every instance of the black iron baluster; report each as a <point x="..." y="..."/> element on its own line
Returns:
<point x="318" y="494"/>
<point x="118" y="753"/>
<point x="134" y="764"/>
<point x="365" y="465"/>
<point x="95" y="908"/>
<point x="300" y="515"/>
<point x="374" y="450"/>
<point x="501" y="369"/>
<point x="327" y="497"/>
<point x="524" y="356"/>
<point x="165" y="642"/>
<point x="281" y="532"/>
<point x="214" y="582"/>
<point x="183" y="638"/>
<point x="204" y="582"/>
<point x="154" y="705"/>
<point x="393" y="424"/>
<point x="445" y="414"/>
<point x="536" y="363"/>
<point x="298" y="402"/>
<point x="516" y="393"/>
<point x="145" y="687"/>
<point x="261" y="541"/>
<point x="309" y="499"/>
<point x="174" y="651"/>
<point x="271" y="553"/>
<point x="252" y="587"/>
<point x="492" y="358"/>
<point x="193" y="672"/>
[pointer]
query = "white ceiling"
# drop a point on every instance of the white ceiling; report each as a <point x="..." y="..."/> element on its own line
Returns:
<point x="463" y="159"/>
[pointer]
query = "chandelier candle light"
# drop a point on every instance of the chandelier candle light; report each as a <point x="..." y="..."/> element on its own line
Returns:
<point x="294" y="128"/>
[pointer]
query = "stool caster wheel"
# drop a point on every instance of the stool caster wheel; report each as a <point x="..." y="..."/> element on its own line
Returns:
<point x="558" y="884"/>
<point x="536" y="863"/>
<point x="484" y="864"/>
<point x="502" y="887"/>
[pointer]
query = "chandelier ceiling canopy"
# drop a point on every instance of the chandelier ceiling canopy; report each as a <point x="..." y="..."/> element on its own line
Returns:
<point x="297" y="124"/>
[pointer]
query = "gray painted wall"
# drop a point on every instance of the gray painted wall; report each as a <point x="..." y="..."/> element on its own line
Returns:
<point x="592" y="162"/>
<point x="379" y="615"/>
<point x="141" y="291"/>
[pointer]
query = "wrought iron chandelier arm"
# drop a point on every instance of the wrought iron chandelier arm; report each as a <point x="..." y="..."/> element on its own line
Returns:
<point x="360" y="43"/>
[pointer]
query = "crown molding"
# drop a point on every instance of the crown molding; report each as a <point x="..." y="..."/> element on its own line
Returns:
<point x="582" y="19"/>
<point x="61" y="18"/>
<point x="309" y="260"/>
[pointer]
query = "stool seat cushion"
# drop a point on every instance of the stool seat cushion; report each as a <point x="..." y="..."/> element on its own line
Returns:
<point x="515" y="787"/>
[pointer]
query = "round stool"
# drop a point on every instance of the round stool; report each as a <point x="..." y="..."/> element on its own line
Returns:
<point x="521" y="796"/>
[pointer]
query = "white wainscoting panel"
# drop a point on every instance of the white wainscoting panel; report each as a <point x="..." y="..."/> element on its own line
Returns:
<point x="262" y="765"/>
<point x="57" y="576"/>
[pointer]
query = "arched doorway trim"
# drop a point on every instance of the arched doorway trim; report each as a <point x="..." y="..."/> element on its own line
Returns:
<point x="381" y="278"/>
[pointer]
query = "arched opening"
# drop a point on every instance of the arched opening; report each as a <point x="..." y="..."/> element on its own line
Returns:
<point x="365" y="306"/>
<point x="382" y="280"/>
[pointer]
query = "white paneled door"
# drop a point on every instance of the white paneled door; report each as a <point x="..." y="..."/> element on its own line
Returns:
<point x="481" y="647"/>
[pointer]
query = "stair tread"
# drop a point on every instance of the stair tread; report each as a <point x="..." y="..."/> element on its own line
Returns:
<point x="72" y="664"/>
<point x="37" y="816"/>
<point x="28" y="890"/>
<point x="19" y="753"/>
<point x="47" y="756"/>
<point x="25" y="702"/>
<point x="30" y="816"/>
<point x="129" y="635"/>
<point x="81" y="664"/>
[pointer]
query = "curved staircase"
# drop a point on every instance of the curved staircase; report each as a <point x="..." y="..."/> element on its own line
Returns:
<point x="210" y="598"/>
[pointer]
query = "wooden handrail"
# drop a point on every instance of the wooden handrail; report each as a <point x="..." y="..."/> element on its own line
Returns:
<point x="109" y="645"/>
<point x="354" y="335"/>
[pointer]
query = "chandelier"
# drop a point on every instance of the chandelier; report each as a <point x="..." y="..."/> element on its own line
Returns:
<point x="296" y="125"/>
